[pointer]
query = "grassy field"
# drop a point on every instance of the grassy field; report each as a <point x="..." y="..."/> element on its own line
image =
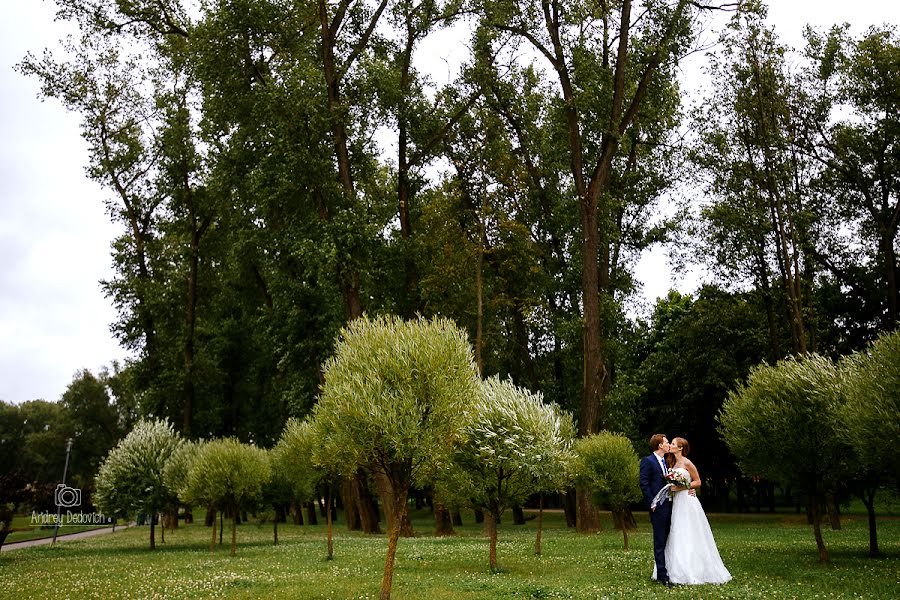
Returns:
<point x="770" y="556"/>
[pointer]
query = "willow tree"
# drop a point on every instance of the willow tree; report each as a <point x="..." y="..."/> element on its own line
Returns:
<point x="228" y="475"/>
<point x="131" y="479"/>
<point x="395" y="397"/>
<point x="870" y="419"/>
<point x="607" y="464"/>
<point x="514" y="446"/>
<point x="299" y="461"/>
<point x="782" y="425"/>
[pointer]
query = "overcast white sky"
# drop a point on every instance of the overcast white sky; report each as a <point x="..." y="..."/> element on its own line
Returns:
<point x="55" y="235"/>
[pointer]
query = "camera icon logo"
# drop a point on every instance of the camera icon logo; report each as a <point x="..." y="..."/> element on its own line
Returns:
<point x="67" y="497"/>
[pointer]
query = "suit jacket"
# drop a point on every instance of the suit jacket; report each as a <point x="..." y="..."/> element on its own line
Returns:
<point x="651" y="478"/>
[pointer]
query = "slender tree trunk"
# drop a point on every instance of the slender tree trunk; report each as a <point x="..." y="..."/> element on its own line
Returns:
<point x="311" y="513"/>
<point x="491" y="518"/>
<point x="234" y="519"/>
<point x="212" y="541"/>
<point x="388" y="577"/>
<point x="868" y="498"/>
<point x="329" y="523"/>
<point x="817" y="528"/>
<point x="834" y="516"/>
<point x="275" y="531"/>
<point x="153" y="531"/>
<point x="401" y="509"/>
<point x="568" y="502"/>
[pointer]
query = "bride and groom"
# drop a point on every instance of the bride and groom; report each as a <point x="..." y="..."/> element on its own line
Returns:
<point x="683" y="546"/>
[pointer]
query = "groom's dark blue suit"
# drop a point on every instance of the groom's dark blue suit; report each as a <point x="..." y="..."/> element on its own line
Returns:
<point x="652" y="480"/>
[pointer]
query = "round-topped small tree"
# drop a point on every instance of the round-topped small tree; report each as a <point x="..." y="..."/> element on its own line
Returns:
<point x="395" y="397"/>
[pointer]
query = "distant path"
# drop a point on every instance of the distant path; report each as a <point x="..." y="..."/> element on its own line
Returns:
<point x="62" y="538"/>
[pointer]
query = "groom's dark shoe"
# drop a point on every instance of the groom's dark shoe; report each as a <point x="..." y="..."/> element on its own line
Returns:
<point x="667" y="583"/>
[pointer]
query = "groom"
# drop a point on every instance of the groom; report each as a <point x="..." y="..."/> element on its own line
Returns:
<point x="652" y="479"/>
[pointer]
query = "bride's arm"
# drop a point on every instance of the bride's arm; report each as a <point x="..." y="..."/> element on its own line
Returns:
<point x="695" y="476"/>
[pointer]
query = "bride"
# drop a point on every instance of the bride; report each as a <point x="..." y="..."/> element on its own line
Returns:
<point x="691" y="553"/>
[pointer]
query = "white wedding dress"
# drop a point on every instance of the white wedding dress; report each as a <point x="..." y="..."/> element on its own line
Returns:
<point x="691" y="553"/>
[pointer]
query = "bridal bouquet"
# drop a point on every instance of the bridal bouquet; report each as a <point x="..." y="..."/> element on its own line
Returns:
<point x="679" y="477"/>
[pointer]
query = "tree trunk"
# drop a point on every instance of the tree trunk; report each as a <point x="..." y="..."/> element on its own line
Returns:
<point x="817" y="529"/>
<point x="368" y="512"/>
<point x="540" y="525"/>
<point x="386" y="492"/>
<point x="212" y="541"/>
<point x="311" y="513"/>
<point x="388" y="577"/>
<point x="518" y="515"/>
<point x="348" y="499"/>
<point x="234" y="519"/>
<point x="587" y="520"/>
<point x="834" y="516"/>
<point x="296" y="513"/>
<point x="443" y="523"/>
<point x="275" y="531"/>
<point x="153" y="531"/>
<point x="399" y="500"/>
<point x="868" y="498"/>
<point x="490" y="520"/>
<point x="457" y="517"/>
<point x="329" y="521"/>
<point x="568" y="502"/>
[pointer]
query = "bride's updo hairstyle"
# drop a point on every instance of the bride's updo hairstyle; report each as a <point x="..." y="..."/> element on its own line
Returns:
<point x="683" y="444"/>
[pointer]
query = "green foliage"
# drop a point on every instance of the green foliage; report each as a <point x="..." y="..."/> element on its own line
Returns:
<point x="131" y="478"/>
<point x="396" y="394"/>
<point x="293" y="459"/>
<point x="514" y="446"/>
<point x="870" y="417"/>
<point x="227" y="474"/>
<point x="175" y="472"/>
<point x="607" y="464"/>
<point x="781" y="424"/>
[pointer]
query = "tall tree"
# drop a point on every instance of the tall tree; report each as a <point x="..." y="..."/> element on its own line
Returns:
<point x="757" y="223"/>
<point x="854" y="133"/>
<point x="610" y="66"/>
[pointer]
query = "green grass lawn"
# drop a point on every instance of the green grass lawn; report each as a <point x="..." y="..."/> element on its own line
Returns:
<point x="770" y="556"/>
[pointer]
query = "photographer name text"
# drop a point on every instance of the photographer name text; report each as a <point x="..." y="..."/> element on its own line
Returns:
<point x="70" y="518"/>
